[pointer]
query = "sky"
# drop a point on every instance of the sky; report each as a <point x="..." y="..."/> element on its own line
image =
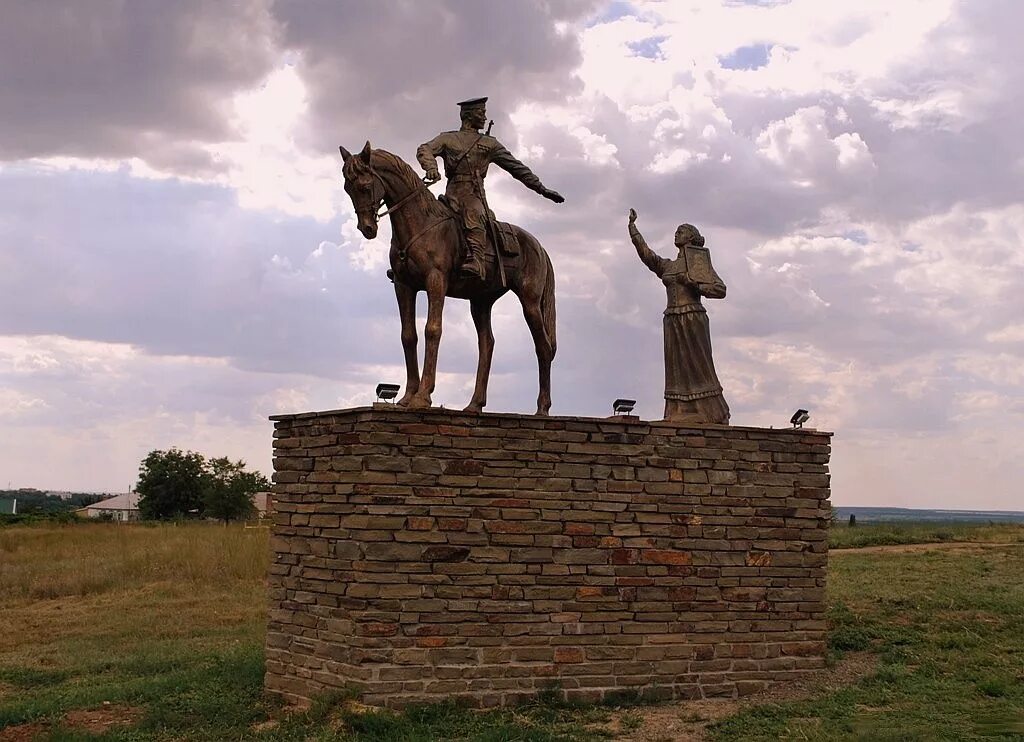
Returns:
<point x="178" y="260"/>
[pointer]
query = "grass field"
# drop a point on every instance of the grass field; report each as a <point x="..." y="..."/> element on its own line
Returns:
<point x="842" y="536"/>
<point x="137" y="633"/>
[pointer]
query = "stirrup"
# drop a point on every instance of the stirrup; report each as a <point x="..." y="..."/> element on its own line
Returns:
<point x="473" y="268"/>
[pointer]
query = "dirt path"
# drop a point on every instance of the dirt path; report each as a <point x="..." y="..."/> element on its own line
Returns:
<point x="924" y="547"/>
<point x="93" y="721"/>
<point x="687" y="721"/>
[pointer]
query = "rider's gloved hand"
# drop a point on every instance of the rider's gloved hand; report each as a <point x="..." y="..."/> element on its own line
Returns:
<point x="553" y="195"/>
<point x="432" y="176"/>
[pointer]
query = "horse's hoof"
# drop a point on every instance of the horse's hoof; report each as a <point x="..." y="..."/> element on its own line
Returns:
<point x="543" y="412"/>
<point x="419" y="403"/>
<point x="404" y="401"/>
<point x="474" y="408"/>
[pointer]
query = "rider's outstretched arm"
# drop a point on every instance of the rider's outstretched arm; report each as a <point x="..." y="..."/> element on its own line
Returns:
<point x="504" y="159"/>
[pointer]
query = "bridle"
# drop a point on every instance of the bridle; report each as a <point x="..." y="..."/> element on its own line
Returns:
<point x="403" y="251"/>
<point x="377" y="213"/>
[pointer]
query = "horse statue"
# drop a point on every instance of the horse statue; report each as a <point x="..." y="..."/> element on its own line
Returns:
<point x="425" y="254"/>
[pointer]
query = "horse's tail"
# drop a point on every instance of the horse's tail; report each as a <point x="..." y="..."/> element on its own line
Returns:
<point x="547" y="302"/>
<point x="537" y="273"/>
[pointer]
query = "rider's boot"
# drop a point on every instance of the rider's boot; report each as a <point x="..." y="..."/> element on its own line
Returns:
<point x="475" y="263"/>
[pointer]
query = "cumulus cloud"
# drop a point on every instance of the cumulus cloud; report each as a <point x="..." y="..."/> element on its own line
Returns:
<point x="112" y="79"/>
<point x="803" y="148"/>
<point x="185" y="271"/>
<point x="374" y="68"/>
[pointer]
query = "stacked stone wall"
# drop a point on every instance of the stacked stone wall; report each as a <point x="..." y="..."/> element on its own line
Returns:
<point x="420" y="556"/>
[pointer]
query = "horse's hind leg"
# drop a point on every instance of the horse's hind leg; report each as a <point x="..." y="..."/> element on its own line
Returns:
<point x="545" y="351"/>
<point x="481" y="311"/>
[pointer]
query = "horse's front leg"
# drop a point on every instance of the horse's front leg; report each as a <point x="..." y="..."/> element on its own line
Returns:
<point x="437" y="286"/>
<point x="407" y="311"/>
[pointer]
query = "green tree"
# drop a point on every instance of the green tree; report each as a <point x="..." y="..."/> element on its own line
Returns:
<point x="171" y="484"/>
<point x="228" y="490"/>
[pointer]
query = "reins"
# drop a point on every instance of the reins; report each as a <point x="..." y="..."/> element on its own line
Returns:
<point x="403" y="251"/>
<point x="390" y="210"/>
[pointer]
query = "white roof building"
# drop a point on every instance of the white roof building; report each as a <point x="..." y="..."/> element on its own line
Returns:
<point x="121" y="507"/>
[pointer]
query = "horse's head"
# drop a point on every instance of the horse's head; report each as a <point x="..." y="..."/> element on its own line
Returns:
<point x="364" y="187"/>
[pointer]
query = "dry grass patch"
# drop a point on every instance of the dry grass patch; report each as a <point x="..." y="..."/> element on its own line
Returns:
<point x="104" y="623"/>
<point x="22" y="732"/>
<point x="78" y="560"/>
<point x="886" y="534"/>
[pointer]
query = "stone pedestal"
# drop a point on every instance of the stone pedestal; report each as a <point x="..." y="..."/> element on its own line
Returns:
<point x="421" y="556"/>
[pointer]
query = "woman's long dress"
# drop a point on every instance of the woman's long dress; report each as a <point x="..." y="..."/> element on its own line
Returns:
<point x="693" y="392"/>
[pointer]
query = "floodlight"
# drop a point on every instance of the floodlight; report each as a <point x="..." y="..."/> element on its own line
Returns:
<point x="799" y="418"/>
<point x="387" y="392"/>
<point x="623" y="406"/>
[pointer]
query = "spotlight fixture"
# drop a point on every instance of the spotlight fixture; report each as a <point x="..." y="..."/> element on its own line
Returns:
<point x="623" y="406"/>
<point x="387" y="392"/>
<point x="799" y="418"/>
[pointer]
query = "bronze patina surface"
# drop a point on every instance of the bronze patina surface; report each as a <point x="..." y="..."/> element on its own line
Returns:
<point x="692" y="390"/>
<point x="466" y="153"/>
<point x="426" y="250"/>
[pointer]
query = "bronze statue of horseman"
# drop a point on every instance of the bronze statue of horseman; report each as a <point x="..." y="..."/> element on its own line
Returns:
<point x="442" y="247"/>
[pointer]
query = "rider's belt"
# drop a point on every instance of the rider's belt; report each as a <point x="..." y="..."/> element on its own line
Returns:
<point x="464" y="177"/>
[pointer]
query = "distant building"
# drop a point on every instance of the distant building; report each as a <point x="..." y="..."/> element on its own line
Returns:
<point x="264" y="503"/>
<point x="123" y="507"/>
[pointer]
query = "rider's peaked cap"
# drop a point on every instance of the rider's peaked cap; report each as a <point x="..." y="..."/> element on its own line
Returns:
<point x="473" y="103"/>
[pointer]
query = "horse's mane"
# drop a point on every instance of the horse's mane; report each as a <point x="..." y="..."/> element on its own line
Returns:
<point x="403" y="170"/>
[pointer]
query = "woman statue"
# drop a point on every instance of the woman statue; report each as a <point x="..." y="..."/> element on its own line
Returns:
<point x="693" y="393"/>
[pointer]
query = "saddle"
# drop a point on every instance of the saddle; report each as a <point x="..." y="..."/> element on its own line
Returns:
<point x="505" y="233"/>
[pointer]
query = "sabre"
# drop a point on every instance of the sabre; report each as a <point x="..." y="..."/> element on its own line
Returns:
<point x="496" y="236"/>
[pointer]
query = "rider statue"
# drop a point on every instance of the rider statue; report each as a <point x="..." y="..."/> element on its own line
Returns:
<point x="467" y="153"/>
